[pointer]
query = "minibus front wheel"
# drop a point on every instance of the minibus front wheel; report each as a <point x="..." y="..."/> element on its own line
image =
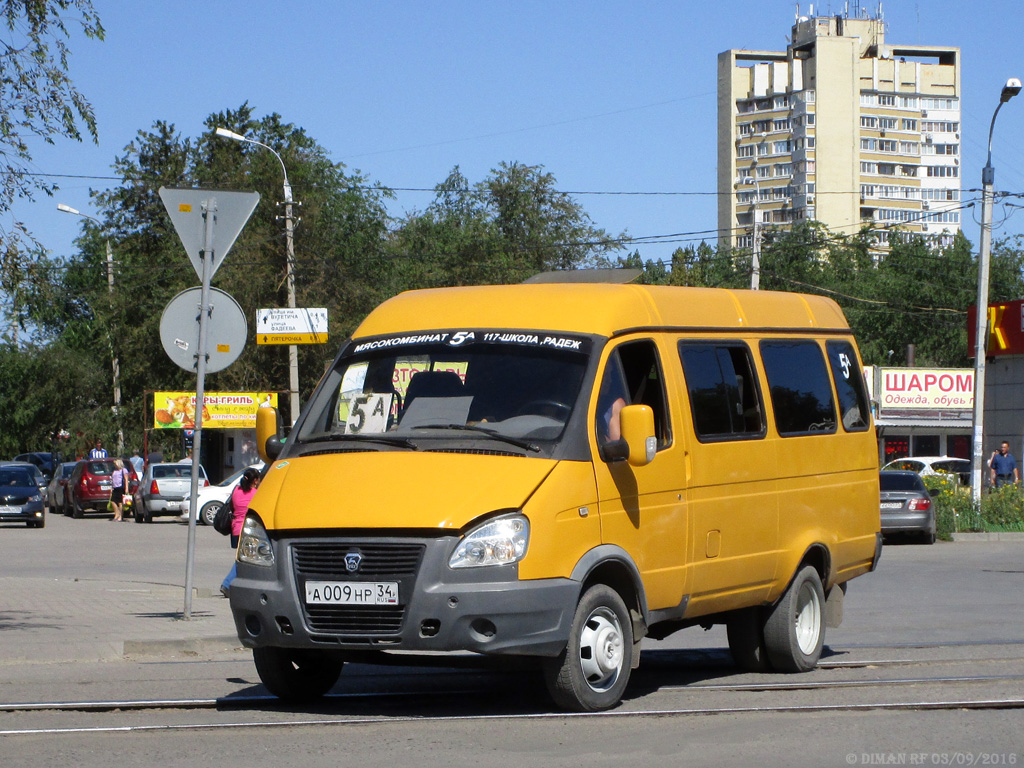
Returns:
<point x="794" y="632"/>
<point x="297" y="674"/>
<point x="591" y="674"/>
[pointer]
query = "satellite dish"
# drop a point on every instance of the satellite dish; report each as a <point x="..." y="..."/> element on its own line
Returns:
<point x="226" y="330"/>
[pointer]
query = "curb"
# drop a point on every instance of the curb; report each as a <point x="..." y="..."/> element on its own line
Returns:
<point x="1003" y="536"/>
<point x="188" y="647"/>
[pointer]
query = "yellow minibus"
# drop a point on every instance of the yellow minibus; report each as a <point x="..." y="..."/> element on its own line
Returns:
<point x="557" y="471"/>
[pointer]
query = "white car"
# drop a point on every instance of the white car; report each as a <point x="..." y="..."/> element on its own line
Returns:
<point x="934" y="465"/>
<point x="212" y="497"/>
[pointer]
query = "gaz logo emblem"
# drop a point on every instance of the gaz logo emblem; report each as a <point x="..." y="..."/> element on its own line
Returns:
<point x="352" y="561"/>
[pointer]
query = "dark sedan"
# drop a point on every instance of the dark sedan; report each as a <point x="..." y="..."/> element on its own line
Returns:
<point x="21" y="500"/>
<point x="906" y="506"/>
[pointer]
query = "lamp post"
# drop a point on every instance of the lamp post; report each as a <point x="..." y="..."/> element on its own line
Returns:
<point x="289" y="227"/>
<point x="113" y="354"/>
<point x="988" y="176"/>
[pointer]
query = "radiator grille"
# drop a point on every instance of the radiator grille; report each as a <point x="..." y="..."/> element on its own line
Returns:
<point x="380" y="561"/>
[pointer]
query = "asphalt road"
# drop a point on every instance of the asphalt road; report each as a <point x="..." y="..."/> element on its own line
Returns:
<point x="927" y="669"/>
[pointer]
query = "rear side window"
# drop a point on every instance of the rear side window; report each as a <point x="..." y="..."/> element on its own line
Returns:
<point x="850" y="389"/>
<point x="898" y="481"/>
<point x="725" y="397"/>
<point x="799" y="386"/>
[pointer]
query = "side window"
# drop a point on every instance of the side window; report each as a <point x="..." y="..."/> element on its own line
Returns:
<point x="724" y="394"/>
<point x="799" y="387"/>
<point x="632" y="377"/>
<point x="850" y="389"/>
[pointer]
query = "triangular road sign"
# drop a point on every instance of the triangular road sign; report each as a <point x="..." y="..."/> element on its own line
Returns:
<point x="231" y="211"/>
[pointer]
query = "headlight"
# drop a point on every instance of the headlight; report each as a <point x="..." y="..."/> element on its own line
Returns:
<point x="254" y="544"/>
<point x="35" y="497"/>
<point x="497" y="542"/>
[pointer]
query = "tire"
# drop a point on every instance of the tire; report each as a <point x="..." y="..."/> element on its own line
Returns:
<point x="209" y="511"/>
<point x="64" y="508"/>
<point x="794" y="632"/>
<point x="591" y="674"/>
<point x="745" y="629"/>
<point x="297" y="674"/>
<point x="76" y="509"/>
<point x="139" y="514"/>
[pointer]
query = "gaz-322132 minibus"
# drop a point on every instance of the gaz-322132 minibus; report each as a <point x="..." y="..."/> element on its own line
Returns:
<point x="556" y="471"/>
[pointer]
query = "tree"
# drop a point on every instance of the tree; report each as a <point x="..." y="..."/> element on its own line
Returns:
<point x="38" y="99"/>
<point x="511" y="225"/>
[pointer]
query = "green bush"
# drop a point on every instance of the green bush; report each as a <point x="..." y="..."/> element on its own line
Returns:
<point x="1002" y="509"/>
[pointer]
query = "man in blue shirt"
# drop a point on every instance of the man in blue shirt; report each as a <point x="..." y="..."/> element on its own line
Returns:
<point x="1004" y="467"/>
<point x="99" y="452"/>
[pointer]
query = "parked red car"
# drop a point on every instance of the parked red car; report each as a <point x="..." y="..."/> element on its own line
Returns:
<point x="88" y="488"/>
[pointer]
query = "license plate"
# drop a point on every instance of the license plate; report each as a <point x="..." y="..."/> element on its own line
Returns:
<point x="352" y="593"/>
<point x="176" y="505"/>
<point x="10" y="510"/>
<point x="104" y="486"/>
<point x="892" y="504"/>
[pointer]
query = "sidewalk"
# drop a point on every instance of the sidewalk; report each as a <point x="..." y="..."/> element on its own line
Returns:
<point x="54" y="620"/>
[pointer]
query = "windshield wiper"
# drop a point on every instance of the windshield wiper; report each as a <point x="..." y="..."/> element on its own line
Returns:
<point x="483" y="430"/>
<point x="385" y="439"/>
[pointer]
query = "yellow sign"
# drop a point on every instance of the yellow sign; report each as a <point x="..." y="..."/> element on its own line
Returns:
<point x="291" y="338"/>
<point x="221" y="410"/>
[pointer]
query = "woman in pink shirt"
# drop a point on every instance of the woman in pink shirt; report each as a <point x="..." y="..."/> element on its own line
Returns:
<point x="240" y="498"/>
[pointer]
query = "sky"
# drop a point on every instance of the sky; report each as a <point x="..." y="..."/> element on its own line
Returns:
<point x="616" y="99"/>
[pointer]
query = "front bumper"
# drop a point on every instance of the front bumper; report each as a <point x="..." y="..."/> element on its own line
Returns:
<point x="32" y="512"/>
<point x="484" y="610"/>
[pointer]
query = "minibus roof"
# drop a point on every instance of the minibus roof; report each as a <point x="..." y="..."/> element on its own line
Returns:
<point x="601" y="309"/>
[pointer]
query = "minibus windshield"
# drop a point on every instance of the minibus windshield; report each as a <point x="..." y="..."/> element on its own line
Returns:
<point x="514" y="387"/>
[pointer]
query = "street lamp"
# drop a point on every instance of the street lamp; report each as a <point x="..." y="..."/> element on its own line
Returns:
<point x="113" y="354"/>
<point x="289" y="225"/>
<point x="988" y="177"/>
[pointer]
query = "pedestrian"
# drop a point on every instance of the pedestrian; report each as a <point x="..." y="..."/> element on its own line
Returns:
<point x="1004" y="467"/>
<point x="98" y="452"/>
<point x="118" y="488"/>
<point x="240" y="498"/>
<point x="137" y="463"/>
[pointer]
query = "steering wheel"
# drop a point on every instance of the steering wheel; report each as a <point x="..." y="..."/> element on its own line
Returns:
<point x="544" y="408"/>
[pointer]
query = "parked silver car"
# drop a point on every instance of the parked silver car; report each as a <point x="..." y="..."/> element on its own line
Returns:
<point x="905" y="505"/>
<point x="55" y="490"/>
<point x="163" y="489"/>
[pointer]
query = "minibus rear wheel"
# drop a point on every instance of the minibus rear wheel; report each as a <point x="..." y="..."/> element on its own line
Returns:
<point x="794" y="632"/>
<point x="297" y="674"/>
<point x="591" y="674"/>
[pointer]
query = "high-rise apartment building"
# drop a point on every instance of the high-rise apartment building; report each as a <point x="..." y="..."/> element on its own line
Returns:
<point x="842" y="127"/>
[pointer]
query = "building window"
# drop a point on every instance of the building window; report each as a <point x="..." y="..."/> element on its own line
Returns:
<point x="909" y="124"/>
<point x="939" y="126"/>
<point x="764" y="172"/>
<point x="937" y="103"/>
<point x="887" y="123"/>
<point x="868" y="100"/>
<point x="887" y="169"/>
<point x="784" y="169"/>
<point x="866" y="121"/>
<point x="747" y="150"/>
<point x="781" y="125"/>
<point x="782" y="147"/>
<point x="868" y="144"/>
<point x="781" y="102"/>
<point x="762" y="150"/>
<point x="943" y="171"/>
<point x="886" y="100"/>
<point x="910" y="148"/>
<point x="887" y="145"/>
<point x="745" y="129"/>
<point x="909" y="171"/>
<point x="908" y="102"/>
<point x="866" y="167"/>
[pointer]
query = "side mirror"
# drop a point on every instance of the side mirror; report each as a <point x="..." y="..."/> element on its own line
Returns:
<point x="638" y="443"/>
<point x="637" y="422"/>
<point x="268" y="439"/>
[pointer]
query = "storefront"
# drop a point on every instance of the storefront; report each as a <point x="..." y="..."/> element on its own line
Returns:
<point x="922" y="411"/>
